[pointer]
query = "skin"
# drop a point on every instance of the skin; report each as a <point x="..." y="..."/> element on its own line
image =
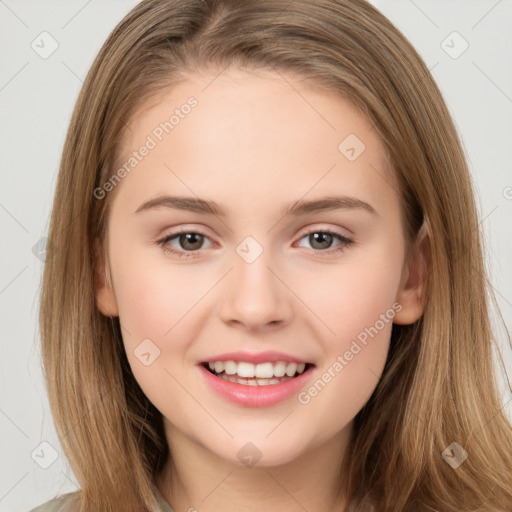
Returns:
<point x="254" y="143"/>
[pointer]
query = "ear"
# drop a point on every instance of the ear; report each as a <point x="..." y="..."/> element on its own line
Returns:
<point x="412" y="292"/>
<point x="104" y="292"/>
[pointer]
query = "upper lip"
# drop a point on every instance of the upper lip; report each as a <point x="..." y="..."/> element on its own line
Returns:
<point x="255" y="358"/>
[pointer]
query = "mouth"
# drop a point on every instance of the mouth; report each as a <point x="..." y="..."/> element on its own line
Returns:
<point x="262" y="374"/>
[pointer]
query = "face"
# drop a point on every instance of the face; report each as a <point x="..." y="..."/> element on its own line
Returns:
<point x="255" y="284"/>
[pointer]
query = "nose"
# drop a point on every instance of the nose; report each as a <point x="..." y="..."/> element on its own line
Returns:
<point x="255" y="296"/>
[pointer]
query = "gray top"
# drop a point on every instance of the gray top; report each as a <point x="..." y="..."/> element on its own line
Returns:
<point x="65" y="503"/>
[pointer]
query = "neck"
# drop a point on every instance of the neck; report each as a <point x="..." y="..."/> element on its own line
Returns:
<point x="194" y="478"/>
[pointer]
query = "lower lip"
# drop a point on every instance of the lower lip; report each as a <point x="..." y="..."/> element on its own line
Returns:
<point x="255" y="396"/>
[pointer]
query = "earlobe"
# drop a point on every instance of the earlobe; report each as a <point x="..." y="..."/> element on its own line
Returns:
<point x="103" y="290"/>
<point x="412" y="292"/>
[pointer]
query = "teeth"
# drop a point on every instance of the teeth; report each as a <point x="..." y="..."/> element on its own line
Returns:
<point x="253" y="382"/>
<point x="229" y="367"/>
<point x="291" y="369"/>
<point x="280" y="369"/>
<point x="245" y="370"/>
<point x="264" y="370"/>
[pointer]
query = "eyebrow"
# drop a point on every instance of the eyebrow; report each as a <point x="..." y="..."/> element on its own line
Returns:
<point x="296" y="208"/>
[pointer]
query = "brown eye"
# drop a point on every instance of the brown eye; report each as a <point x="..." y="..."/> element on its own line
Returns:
<point x="190" y="241"/>
<point x="324" y="240"/>
<point x="321" y="241"/>
<point x="184" y="242"/>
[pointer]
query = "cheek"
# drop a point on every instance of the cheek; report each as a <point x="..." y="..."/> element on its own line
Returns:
<point x="356" y="304"/>
<point x="351" y="297"/>
<point x="156" y="308"/>
<point x="153" y="295"/>
<point x="355" y="357"/>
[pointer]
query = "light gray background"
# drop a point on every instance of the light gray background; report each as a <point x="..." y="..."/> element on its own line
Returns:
<point x="37" y="96"/>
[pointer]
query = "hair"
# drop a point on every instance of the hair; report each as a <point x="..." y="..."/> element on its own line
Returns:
<point x="438" y="385"/>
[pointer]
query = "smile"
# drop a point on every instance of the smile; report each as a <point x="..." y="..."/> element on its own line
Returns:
<point x="256" y="385"/>
<point x="262" y="374"/>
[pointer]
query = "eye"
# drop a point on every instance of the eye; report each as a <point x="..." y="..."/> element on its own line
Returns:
<point x="321" y="241"/>
<point x="189" y="242"/>
<point x="192" y="241"/>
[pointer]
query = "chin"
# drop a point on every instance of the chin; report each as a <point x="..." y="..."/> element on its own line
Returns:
<point x="259" y="453"/>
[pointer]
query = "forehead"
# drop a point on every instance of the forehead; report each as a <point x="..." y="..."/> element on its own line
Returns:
<point x="246" y="105"/>
<point x="249" y="130"/>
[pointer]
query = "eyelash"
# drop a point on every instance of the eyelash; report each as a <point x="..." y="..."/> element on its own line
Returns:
<point x="346" y="242"/>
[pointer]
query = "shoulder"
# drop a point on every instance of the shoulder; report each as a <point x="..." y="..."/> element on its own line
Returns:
<point x="64" y="503"/>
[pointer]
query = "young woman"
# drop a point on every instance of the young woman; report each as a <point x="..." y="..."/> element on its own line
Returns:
<point x="267" y="288"/>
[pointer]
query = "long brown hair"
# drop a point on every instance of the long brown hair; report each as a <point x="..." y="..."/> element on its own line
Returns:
<point x="438" y="386"/>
